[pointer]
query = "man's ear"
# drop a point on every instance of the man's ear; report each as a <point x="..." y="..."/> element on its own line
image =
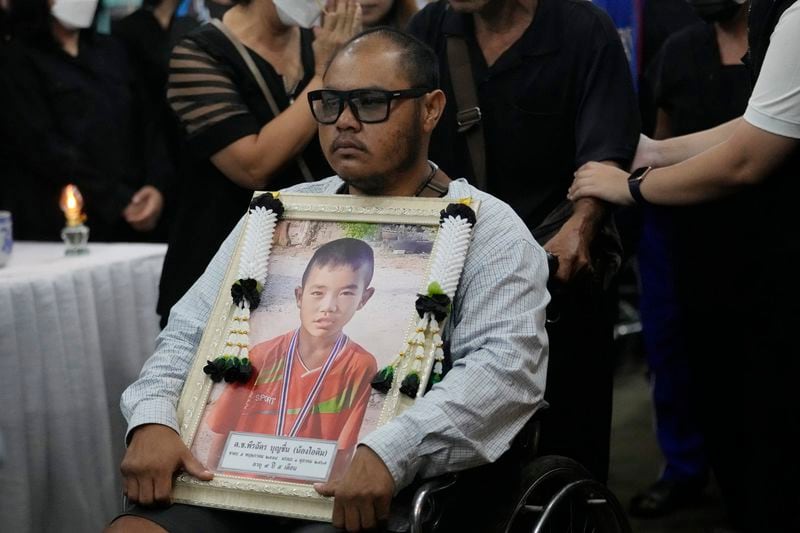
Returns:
<point x="367" y="295"/>
<point x="298" y="295"/>
<point x="433" y="109"/>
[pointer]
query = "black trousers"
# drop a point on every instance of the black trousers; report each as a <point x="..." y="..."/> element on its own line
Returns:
<point x="580" y="376"/>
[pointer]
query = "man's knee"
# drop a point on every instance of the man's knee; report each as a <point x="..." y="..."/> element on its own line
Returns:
<point x="133" y="524"/>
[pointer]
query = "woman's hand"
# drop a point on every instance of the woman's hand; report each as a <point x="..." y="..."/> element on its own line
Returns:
<point x="601" y="181"/>
<point x="341" y="21"/>
<point x="144" y="209"/>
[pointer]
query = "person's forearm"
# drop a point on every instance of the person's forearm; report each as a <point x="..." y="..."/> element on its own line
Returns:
<point x="252" y="161"/>
<point x="678" y="149"/>
<point x="746" y="158"/>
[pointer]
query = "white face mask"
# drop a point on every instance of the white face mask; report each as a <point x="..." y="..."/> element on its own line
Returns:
<point x="74" y="14"/>
<point x="301" y="13"/>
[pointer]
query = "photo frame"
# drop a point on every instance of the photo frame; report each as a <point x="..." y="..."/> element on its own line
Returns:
<point x="327" y="325"/>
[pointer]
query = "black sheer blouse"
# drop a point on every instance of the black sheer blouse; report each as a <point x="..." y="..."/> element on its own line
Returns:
<point x="217" y="100"/>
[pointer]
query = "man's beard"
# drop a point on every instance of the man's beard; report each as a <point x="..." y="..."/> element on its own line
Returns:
<point x="377" y="184"/>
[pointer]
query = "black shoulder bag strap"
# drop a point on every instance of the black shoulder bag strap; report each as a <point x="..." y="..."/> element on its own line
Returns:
<point x="262" y="85"/>
<point x="469" y="113"/>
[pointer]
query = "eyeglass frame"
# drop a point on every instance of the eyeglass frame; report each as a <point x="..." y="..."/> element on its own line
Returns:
<point x="346" y="97"/>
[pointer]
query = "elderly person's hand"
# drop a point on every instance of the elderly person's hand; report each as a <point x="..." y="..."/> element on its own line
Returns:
<point x="361" y="499"/>
<point x="341" y="21"/>
<point x="144" y="210"/>
<point x="604" y="182"/>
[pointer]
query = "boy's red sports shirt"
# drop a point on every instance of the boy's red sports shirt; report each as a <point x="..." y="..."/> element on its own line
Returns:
<point x="337" y="411"/>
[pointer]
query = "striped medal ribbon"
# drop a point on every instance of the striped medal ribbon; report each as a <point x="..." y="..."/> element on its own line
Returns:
<point x="287" y="372"/>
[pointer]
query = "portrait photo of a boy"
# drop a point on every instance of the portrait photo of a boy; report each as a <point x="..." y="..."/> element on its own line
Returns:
<point x="311" y="382"/>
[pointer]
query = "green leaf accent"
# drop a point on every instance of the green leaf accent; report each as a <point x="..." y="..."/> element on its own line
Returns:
<point x="434" y="288"/>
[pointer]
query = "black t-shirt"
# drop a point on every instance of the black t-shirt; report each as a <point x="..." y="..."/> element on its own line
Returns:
<point x="698" y="92"/>
<point x="218" y="102"/>
<point x="692" y="85"/>
<point x="560" y="96"/>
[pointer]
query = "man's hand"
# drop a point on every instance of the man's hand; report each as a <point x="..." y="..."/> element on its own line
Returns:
<point x="363" y="496"/>
<point x="155" y="453"/>
<point x="143" y="211"/>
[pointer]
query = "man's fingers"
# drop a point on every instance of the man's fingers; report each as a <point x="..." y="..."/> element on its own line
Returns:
<point x="367" y="512"/>
<point x="326" y="489"/>
<point x="195" y="468"/>
<point x="145" y="491"/>
<point x="132" y="489"/>
<point x="162" y="490"/>
<point x="352" y="517"/>
<point x="338" y="514"/>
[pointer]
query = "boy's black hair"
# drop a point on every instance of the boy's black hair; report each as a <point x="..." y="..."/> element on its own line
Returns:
<point x="419" y="61"/>
<point x="354" y="253"/>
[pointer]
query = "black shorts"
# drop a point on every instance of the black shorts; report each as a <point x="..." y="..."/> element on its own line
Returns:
<point x="179" y="518"/>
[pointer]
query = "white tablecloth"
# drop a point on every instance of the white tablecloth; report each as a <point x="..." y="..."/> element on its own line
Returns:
<point x="74" y="332"/>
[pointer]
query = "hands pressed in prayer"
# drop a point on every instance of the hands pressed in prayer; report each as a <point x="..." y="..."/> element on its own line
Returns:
<point x="144" y="209"/>
<point x="363" y="496"/>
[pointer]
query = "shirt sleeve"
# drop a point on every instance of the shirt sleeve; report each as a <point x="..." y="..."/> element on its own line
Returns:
<point x="153" y="397"/>
<point x="607" y="123"/>
<point x="499" y="347"/>
<point x="206" y="100"/>
<point x="774" y="105"/>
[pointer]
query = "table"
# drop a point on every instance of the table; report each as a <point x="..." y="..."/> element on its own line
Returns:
<point x="74" y="332"/>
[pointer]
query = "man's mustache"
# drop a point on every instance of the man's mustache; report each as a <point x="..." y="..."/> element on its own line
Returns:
<point x="347" y="142"/>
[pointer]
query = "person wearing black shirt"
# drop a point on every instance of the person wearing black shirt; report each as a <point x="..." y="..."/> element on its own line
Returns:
<point x="232" y="143"/>
<point x="700" y="82"/>
<point x="71" y="115"/>
<point x="752" y="407"/>
<point x="554" y="90"/>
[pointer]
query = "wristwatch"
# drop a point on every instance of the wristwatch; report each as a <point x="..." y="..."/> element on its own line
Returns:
<point x="635" y="182"/>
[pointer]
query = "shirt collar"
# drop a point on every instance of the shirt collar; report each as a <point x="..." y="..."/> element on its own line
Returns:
<point x="541" y="37"/>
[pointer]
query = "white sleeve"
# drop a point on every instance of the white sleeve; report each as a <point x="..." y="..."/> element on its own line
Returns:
<point x="775" y="103"/>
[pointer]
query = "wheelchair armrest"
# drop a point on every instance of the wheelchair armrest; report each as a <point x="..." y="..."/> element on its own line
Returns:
<point x="422" y="506"/>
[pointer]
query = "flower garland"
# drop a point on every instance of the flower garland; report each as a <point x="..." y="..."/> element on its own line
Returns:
<point x="456" y="223"/>
<point x="233" y="365"/>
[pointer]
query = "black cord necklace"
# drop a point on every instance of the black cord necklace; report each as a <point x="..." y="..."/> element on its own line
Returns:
<point x="427" y="180"/>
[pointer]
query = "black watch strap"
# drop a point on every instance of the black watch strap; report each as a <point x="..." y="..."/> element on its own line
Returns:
<point x="635" y="182"/>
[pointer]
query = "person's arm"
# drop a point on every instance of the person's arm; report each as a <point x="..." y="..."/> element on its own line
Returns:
<point x="747" y="158"/>
<point x="498" y="347"/>
<point x="606" y="128"/>
<point x="149" y="405"/>
<point x="662" y="153"/>
<point x="748" y="151"/>
<point x="252" y="159"/>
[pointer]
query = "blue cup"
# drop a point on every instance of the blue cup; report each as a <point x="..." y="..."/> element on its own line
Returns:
<point x="6" y="237"/>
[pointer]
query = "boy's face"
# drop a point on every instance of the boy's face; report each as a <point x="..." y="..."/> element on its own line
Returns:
<point x="330" y="298"/>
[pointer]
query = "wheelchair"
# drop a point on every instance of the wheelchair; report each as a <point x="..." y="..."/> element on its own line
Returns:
<point x="520" y="493"/>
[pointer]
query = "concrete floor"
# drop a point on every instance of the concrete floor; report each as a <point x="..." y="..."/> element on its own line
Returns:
<point x="636" y="459"/>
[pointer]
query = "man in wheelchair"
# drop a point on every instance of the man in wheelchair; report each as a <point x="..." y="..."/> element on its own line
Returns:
<point x="377" y="110"/>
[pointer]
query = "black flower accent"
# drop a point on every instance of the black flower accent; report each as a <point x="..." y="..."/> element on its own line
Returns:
<point x="437" y="304"/>
<point x="246" y="290"/>
<point x="458" y="210"/>
<point x="215" y="369"/>
<point x="382" y="381"/>
<point x="269" y="202"/>
<point x="410" y="385"/>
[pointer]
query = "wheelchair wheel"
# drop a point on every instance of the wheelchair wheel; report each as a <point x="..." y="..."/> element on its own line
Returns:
<point x="558" y="495"/>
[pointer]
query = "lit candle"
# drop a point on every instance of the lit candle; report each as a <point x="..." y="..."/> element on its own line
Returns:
<point x="71" y="204"/>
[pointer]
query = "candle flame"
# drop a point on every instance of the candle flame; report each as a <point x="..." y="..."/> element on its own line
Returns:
<point x="71" y="204"/>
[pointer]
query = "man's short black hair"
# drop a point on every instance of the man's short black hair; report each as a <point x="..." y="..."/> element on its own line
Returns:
<point x="354" y="253"/>
<point x="419" y="61"/>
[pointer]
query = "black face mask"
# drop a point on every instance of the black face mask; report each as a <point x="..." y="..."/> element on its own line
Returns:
<point x="716" y="10"/>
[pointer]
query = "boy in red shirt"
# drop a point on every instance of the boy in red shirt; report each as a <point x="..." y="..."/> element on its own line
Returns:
<point x="313" y="382"/>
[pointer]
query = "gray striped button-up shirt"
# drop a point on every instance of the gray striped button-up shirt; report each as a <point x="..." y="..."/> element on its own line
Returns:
<point x="497" y="339"/>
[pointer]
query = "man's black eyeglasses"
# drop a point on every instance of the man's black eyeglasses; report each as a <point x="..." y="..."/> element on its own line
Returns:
<point x="368" y="105"/>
